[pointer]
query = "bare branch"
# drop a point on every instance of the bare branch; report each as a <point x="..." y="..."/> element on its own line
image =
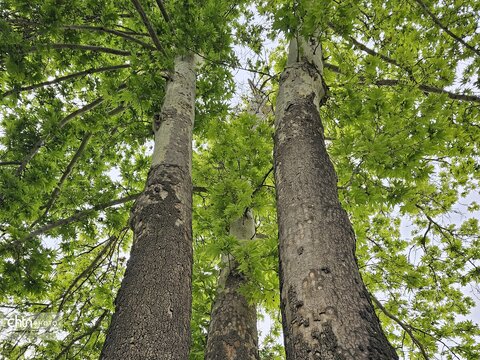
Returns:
<point x="200" y="189"/>
<point x="81" y="215"/>
<point x="67" y="77"/>
<point x="85" y="47"/>
<point x="430" y="89"/>
<point x="148" y="25"/>
<point x="385" y="58"/>
<point x="451" y="95"/>
<point x="444" y="28"/>
<point x="257" y="189"/>
<point x="406" y="327"/>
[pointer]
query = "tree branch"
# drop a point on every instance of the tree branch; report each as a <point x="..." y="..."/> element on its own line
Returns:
<point x="7" y="163"/>
<point x="444" y="28"/>
<point x="406" y="327"/>
<point x="62" y="123"/>
<point x="64" y="177"/>
<point x="385" y="58"/>
<point x="89" y="269"/>
<point x="161" y="6"/>
<point x="80" y="215"/>
<point x="148" y="25"/>
<point x="81" y="336"/>
<point x="110" y="31"/>
<point x="67" y="77"/>
<point x="85" y="47"/>
<point x="262" y="182"/>
<point x="423" y="87"/>
<point x="65" y="121"/>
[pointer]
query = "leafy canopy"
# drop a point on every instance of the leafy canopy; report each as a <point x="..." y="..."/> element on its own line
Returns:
<point x="80" y="81"/>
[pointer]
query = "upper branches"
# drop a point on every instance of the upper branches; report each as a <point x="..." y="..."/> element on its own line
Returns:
<point x="65" y="78"/>
<point x="148" y="25"/>
<point x="437" y="21"/>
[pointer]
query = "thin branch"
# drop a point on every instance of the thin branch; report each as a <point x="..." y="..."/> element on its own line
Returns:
<point x="81" y="336"/>
<point x="85" y="47"/>
<point x="444" y="28"/>
<point x="451" y="95"/>
<point x="131" y="32"/>
<point x="62" y="123"/>
<point x="262" y="182"/>
<point x="64" y="177"/>
<point x="436" y="339"/>
<point x="161" y="6"/>
<point x="67" y="77"/>
<point x="430" y="89"/>
<point x="334" y="68"/>
<point x="81" y="215"/>
<point x="423" y="87"/>
<point x="200" y="189"/>
<point x="41" y="142"/>
<point x="148" y="25"/>
<point x="385" y="58"/>
<point x="119" y="33"/>
<point x="89" y="269"/>
<point x="406" y="327"/>
<point x="8" y="163"/>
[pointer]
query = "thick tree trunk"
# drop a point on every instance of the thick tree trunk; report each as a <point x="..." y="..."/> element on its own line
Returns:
<point x="326" y="310"/>
<point x="232" y="334"/>
<point x="153" y="305"/>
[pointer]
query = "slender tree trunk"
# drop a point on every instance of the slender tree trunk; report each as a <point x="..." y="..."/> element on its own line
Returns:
<point x="232" y="334"/>
<point x="326" y="310"/>
<point x="153" y="305"/>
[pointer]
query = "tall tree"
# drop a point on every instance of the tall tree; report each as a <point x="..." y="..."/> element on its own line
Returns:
<point x="326" y="309"/>
<point x="88" y="132"/>
<point x="153" y="305"/>
<point x="377" y="106"/>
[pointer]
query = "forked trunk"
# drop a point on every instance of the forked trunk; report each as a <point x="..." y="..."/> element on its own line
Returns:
<point x="232" y="334"/>
<point x="153" y="305"/>
<point x="326" y="310"/>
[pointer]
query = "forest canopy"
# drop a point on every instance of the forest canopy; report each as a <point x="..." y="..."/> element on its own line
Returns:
<point x="82" y="80"/>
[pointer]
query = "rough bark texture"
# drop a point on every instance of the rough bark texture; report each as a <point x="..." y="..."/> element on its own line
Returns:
<point x="153" y="305"/>
<point x="326" y="310"/>
<point x="232" y="334"/>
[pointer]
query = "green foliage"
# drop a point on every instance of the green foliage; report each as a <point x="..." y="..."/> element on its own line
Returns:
<point x="234" y="166"/>
<point x="401" y="125"/>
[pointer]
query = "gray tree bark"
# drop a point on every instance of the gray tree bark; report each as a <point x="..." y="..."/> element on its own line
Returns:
<point x="232" y="334"/>
<point x="326" y="309"/>
<point x="153" y="305"/>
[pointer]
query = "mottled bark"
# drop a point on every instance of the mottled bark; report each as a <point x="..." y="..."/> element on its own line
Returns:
<point x="326" y="310"/>
<point x="153" y="305"/>
<point x="232" y="334"/>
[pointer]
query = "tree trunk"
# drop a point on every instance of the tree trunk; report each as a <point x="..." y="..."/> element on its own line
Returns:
<point x="232" y="334"/>
<point x="153" y="305"/>
<point x="326" y="309"/>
